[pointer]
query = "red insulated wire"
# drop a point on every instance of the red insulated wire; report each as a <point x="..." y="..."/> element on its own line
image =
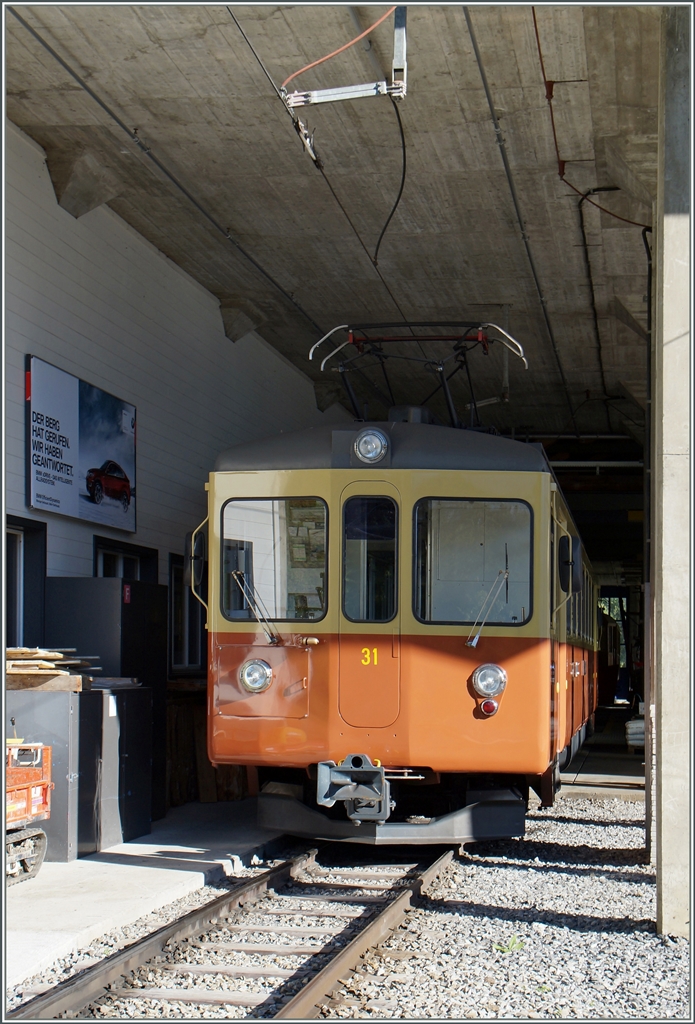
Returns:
<point x="560" y="162"/>
<point x="340" y="49"/>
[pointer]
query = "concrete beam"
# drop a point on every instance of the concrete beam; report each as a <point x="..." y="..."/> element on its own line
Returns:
<point x="622" y="313"/>
<point x="240" y="317"/>
<point x="634" y="391"/>
<point x="671" y="556"/>
<point x="81" y="181"/>
<point x="328" y="393"/>
<point x="631" y="163"/>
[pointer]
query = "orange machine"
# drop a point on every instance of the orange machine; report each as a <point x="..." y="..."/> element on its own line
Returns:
<point x="28" y="800"/>
<point x="401" y="629"/>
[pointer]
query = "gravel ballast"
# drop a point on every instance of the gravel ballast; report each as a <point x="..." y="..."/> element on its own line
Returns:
<point x="558" y="924"/>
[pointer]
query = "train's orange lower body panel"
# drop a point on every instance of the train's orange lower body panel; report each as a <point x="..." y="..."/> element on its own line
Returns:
<point x="578" y="690"/>
<point x="404" y="700"/>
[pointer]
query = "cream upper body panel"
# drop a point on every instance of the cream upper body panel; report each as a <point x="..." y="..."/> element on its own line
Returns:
<point x="411" y="485"/>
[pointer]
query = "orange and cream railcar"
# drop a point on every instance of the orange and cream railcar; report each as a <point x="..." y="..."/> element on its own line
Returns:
<point x="398" y="642"/>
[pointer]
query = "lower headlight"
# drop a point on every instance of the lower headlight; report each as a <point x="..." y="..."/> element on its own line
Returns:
<point x="255" y="676"/>
<point x="489" y="680"/>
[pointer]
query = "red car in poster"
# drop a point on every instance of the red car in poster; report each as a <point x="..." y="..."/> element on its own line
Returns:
<point x="109" y="480"/>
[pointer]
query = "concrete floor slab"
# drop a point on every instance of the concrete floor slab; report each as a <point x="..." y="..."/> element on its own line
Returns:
<point x="604" y="768"/>
<point x="68" y="905"/>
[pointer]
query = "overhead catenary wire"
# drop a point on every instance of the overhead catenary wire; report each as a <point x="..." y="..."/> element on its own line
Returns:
<point x="147" y="151"/>
<point x="322" y="60"/>
<point x="517" y="209"/>
<point x="278" y="91"/>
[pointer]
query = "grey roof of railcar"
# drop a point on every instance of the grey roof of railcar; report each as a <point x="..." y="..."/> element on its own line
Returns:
<point x="413" y="446"/>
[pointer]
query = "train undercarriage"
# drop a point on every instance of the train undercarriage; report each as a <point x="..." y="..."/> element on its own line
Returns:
<point x="361" y="802"/>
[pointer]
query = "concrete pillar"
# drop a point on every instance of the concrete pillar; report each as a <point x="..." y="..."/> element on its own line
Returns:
<point x="671" y="578"/>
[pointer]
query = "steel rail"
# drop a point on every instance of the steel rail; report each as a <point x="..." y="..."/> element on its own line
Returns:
<point x="79" y="991"/>
<point x="304" y="1006"/>
<point x="103" y="979"/>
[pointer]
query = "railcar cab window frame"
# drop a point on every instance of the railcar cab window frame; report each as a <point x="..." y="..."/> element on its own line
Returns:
<point x="279" y="548"/>
<point x="370" y="558"/>
<point x="485" y="530"/>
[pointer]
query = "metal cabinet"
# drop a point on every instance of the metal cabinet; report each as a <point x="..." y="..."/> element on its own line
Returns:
<point x="115" y="767"/>
<point x="125" y="624"/>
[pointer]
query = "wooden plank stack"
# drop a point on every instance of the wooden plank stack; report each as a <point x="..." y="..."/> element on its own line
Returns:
<point x="32" y="668"/>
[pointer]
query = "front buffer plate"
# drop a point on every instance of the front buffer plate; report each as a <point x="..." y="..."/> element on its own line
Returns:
<point x="359" y="784"/>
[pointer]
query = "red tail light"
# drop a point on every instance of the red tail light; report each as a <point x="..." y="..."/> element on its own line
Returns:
<point x="489" y="707"/>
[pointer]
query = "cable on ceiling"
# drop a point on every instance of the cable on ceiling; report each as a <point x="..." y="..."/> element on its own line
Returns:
<point x="517" y="208"/>
<point x="133" y="136"/>
<point x="375" y="258"/>
<point x="549" y="85"/>
<point x="341" y="49"/>
<point x="589" y="274"/>
<point x="278" y="91"/>
<point x="549" y="88"/>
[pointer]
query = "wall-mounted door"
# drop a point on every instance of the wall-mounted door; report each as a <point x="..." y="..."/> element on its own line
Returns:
<point x="369" y="645"/>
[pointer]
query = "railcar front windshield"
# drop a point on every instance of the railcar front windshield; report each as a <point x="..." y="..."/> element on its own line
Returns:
<point x="463" y="550"/>
<point x="274" y="559"/>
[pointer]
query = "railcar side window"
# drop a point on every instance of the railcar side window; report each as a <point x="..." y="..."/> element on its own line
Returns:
<point x="274" y="559"/>
<point x="463" y="549"/>
<point x="369" y="559"/>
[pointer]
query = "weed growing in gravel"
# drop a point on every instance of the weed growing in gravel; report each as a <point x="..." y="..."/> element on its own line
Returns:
<point x="513" y="946"/>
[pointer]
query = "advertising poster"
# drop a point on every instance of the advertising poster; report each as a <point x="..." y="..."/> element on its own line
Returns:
<point x="80" y="448"/>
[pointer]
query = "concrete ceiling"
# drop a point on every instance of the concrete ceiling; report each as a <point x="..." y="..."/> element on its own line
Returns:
<point x="188" y="81"/>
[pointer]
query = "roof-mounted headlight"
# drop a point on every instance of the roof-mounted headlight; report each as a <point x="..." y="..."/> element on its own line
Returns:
<point x="489" y="680"/>
<point x="371" y="446"/>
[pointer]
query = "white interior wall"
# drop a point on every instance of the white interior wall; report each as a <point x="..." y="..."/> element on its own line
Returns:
<point x="97" y="300"/>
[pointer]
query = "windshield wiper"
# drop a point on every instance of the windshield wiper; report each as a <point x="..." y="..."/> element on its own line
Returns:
<point x="255" y="603"/>
<point x="487" y="606"/>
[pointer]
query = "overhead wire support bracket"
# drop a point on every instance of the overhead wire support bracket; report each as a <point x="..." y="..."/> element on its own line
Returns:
<point x="399" y="75"/>
<point x="345" y="92"/>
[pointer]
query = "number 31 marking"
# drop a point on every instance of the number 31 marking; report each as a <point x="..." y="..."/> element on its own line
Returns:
<point x="369" y="657"/>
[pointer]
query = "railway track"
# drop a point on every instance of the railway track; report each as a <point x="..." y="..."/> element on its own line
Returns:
<point x="276" y="945"/>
